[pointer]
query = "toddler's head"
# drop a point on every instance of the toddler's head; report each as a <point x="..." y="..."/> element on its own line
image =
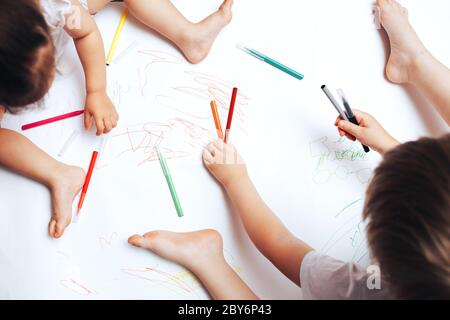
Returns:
<point x="408" y="212"/>
<point x="27" y="59"/>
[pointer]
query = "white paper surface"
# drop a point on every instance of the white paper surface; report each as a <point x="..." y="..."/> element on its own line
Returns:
<point x="283" y="127"/>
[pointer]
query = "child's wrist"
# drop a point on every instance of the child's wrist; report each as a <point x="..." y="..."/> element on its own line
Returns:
<point x="95" y="91"/>
<point x="389" y="145"/>
<point x="235" y="182"/>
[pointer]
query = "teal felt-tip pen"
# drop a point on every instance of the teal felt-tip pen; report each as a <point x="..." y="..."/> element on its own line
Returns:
<point x="270" y="61"/>
<point x="167" y="175"/>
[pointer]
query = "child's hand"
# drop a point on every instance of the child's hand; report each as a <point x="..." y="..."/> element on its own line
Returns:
<point x="369" y="132"/>
<point x="100" y="107"/>
<point x="224" y="162"/>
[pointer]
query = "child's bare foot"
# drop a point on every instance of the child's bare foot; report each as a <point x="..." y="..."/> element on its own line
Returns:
<point x="67" y="183"/>
<point x="406" y="46"/>
<point x="192" y="250"/>
<point x="199" y="39"/>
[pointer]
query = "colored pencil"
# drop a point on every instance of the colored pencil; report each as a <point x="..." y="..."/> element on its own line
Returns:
<point x="216" y="119"/>
<point x="271" y="61"/>
<point x="87" y="180"/>
<point x="230" y="114"/>
<point x="119" y="29"/>
<point x="51" y="120"/>
<point x="173" y="192"/>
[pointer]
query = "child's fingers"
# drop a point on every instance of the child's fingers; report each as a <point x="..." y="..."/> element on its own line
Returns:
<point x="219" y="143"/>
<point x="100" y="125"/>
<point x="52" y="228"/>
<point x="212" y="148"/>
<point x="208" y="157"/>
<point x="341" y="132"/>
<point x="350" y="137"/>
<point x="361" y="117"/>
<point x="337" y="120"/>
<point x="113" y="120"/>
<point x="350" y="128"/>
<point x="87" y="120"/>
<point x="108" y="126"/>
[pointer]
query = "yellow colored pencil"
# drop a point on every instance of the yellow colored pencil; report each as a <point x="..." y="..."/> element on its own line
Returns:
<point x="116" y="36"/>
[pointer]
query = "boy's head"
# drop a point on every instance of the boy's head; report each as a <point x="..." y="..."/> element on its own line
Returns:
<point x="27" y="63"/>
<point x="408" y="210"/>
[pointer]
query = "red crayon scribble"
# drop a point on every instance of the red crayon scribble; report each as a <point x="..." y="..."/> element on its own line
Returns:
<point x="77" y="287"/>
<point x="206" y="88"/>
<point x="156" y="57"/>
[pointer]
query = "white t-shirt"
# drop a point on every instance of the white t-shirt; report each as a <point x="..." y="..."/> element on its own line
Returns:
<point x="54" y="12"/>
<point x="323" y="277"/>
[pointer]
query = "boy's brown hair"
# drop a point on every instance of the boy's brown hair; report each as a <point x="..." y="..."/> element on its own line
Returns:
<point x="27" y="60"/>
<point x="408" y="212"/>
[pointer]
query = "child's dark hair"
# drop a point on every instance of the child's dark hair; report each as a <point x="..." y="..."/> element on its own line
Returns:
<point x="408" y="212"/>
<point x="26" y="54"/>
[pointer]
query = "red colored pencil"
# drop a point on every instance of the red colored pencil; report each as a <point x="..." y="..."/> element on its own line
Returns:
<point x="87" y="180"/>
<point x="230" y="114"/>
<point x="216" y="117"/>
<point x="51" y="120"/>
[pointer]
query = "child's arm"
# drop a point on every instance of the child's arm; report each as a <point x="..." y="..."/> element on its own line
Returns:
<point x="89" y="44"/>
<point x="19" y="154"/>
<point x="369" y="132"/>
<point x="266" y="231"/>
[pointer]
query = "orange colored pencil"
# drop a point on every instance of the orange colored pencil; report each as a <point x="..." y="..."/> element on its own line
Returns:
<point x="87" y="180"/>
<point x="216" y="119"/>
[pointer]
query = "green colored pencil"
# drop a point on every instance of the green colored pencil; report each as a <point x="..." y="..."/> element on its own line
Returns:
<point x="271" y="61"/>
<point x="173" y="192"/>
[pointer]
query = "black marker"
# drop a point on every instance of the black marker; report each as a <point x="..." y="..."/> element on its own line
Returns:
<point x="351" y="117"/>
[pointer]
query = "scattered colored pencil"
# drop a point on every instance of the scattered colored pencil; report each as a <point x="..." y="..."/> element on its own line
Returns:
<point x="87" y="180"/>
<point x="216" y="117"/>
<point x="51" y="120"/>
<point x="173" y="192"/>
<point x="230" y="114"/>
<point x="271" y="61"/>
<point x="119" y="29"/>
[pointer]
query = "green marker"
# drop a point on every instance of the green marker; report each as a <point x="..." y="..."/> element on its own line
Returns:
<point x="270" y="61"/>
<point x="173" y="192"/>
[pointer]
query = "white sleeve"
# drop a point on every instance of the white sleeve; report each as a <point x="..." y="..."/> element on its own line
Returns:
<point x="323" y="277"/>
<point x="55" y="12"/>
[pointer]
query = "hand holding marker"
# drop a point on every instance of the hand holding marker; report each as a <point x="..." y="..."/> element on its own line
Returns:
<point x="351" y="117"/>
<point x="344" y="116"/>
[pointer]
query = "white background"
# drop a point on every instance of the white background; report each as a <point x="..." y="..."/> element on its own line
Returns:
<point x="287" y="128"/>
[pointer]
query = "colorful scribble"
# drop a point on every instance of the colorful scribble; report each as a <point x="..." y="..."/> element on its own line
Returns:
<point x="338" y="159"/>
